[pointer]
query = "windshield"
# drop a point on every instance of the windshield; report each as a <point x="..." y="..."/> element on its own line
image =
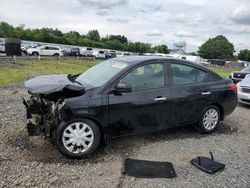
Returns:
<point x="246" y="69"/>
<point x="101" y="73"/>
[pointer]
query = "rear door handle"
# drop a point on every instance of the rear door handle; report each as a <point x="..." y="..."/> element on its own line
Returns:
<point x="206" y="93"/>
<point x="160" y="99"/>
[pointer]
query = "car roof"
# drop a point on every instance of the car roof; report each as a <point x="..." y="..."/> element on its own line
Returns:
<point x="139" y="59"/>
<point x="133" y="59"/>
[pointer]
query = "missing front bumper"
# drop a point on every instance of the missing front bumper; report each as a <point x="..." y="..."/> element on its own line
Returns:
<point x="33" y="129"/>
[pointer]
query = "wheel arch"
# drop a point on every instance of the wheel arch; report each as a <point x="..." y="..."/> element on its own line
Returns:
<point x="35" y="52"/>
<point x="99" y="124"/>
<point x="219" y="106"/>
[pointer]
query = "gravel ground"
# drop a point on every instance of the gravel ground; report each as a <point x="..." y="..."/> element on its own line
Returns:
<point x="33" y="162"/>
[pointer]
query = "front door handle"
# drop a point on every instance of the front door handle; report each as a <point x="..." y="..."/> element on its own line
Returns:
<point x="206" y="93"/>
<point x="160" y="99"/>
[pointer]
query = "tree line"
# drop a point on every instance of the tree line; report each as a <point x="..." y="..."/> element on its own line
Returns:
<point x="91" y="39"/>
<point x="218" y="47"/>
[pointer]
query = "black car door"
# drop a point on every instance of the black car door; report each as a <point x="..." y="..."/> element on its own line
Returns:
<point x="189" y="93"/>
<point x="143" y="109"/>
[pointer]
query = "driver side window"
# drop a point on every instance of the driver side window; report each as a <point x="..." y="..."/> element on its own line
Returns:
<point x="145" y="77"/>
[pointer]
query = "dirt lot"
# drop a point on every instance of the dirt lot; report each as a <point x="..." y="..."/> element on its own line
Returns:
<point x="29" y="162"/>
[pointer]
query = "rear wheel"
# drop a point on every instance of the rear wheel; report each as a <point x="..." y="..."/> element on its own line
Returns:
<point x="210" y="119"/>
<point x="56" y="55"/>
<point x="78" y="138"/>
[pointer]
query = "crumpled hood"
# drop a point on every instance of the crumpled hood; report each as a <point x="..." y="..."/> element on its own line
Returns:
<point x="48" y="84"/>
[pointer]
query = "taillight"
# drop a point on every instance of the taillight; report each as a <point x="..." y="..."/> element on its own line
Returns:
<point x="233" y="86"/>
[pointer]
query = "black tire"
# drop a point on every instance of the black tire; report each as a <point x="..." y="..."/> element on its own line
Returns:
<point x="35" y="53"/>
<point x="201" y="123"/>
<point x="90" y="150"/>
<point x="56" y="55"/>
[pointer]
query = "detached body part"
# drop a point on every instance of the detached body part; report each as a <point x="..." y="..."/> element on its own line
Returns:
<point x="125" y="96"/>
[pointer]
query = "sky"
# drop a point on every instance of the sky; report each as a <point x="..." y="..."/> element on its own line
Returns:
<point x="154" y="22"/>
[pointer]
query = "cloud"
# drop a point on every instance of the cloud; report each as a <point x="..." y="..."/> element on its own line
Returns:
<point x="142" y="20"/>
<point x="104" y="7"/>
<point x="103" y="4"/>
<point x="239" y="30"/>
<point x="182" y="33"/>
<point x="118" y="20"/>
<point x="150" y="8"/>
<point x="241" y="15"/>
<point x="102" y="12"/>
<point x="154" y="33"/>
<point x="184" y="18"/>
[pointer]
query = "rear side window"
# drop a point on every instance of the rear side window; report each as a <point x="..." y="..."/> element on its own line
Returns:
<point x="52" y="48"/>
<point x="184" y="74"/>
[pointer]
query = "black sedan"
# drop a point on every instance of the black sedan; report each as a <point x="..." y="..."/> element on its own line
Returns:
<point x="126" y="96"/>
<point x="240" y="75"/>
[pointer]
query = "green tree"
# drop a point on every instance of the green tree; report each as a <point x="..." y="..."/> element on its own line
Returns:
<point x="114" y="44"/>
<point x="71" y="37"/>
<point x="94" y="35"/>
<point x="161" y="49"/>
<point x="6" y="30"/>
<point x="244" y="55"/>
<point x="120" y="38"/>
<point x="92" y="39"/>
<point x="217" y="48"/>
<point x="138" y="47"/>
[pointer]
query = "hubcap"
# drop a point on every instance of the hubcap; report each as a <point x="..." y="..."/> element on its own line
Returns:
<point x="78" y="137"/>
<point x="210" y="119"/>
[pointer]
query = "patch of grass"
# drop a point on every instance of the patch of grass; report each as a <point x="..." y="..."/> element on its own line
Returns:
<point x="224" y="72"/>
<point x="13" y="72"/>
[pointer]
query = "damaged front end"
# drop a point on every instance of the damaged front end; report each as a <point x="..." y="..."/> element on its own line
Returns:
<point x="42" y="114"/>
<point x="48" y="94"/>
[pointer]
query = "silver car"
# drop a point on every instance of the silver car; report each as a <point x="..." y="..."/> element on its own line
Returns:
<point x="244" y="90"/>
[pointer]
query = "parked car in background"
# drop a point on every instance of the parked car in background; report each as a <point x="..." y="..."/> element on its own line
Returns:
<point x="75" y="51"/>
<point x="2" y="47"/>
<point x="119" y="54"/>
<point x="240" y="75"/>
<point x="125" y="96"/>
<point x="24" y="47"/>
<point x="87" y="52"/>
<point x="110" y="54"/>
<point x="101" y="54"/>
<point x="45" y="50"/>
<point x="66" y="51"/>
<point x="244" y="90"/>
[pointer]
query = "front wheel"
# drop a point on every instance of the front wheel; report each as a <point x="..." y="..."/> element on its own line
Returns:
<point x="210" y="119"/>
<point x="35" y="54"/>
<point x="78" y="138"/>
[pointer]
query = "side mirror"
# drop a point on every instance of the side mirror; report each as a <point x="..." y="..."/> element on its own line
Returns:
<point x="122" y="88"/>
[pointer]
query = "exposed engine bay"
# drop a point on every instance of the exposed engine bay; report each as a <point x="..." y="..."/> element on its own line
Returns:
<point x="48" y="94"/>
